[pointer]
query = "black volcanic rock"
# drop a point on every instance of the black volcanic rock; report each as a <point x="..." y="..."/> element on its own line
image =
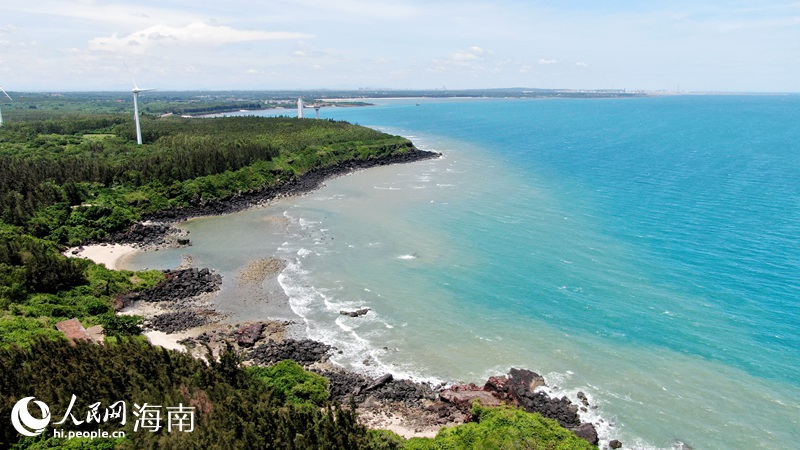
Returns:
<point x="588" y="432"/>
<point x="248" y="336"/>
<point x="356" y="313"/>
<point x="174" y="322"/>
<point x="181" y="284"/>
<point x="304" y="352"/>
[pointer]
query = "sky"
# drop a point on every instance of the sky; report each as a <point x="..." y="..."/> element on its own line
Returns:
<point x="698" y="45"/>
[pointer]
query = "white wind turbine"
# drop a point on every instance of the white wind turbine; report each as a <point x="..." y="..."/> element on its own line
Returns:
<point x="1" y="112"/>
<point x="136" y="90"/>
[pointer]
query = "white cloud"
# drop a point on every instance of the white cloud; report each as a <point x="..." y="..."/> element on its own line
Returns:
<point x="304" y="50"/>
<point x="473" y="53"/>
<point x="547" y="62"/>
<point x="192" y="34"/>
<point x="581" y="64"/>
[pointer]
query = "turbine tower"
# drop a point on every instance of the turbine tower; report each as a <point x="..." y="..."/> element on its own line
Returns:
<point x="136" y="90"/>
<point x="1" y="112"/>
<point x="299" y="107"/>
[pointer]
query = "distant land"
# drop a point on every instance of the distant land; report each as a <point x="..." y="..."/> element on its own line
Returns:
<point x="210" y="102"/>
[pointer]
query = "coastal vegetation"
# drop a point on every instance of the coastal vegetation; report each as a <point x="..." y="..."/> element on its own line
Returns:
<point x="502" y="427"/>
<point x="69" y="177"/>
<point x="282" y="407"/>
<point x="80" y="177"/>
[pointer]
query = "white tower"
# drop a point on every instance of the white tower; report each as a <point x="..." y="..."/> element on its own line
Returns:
<point x="299" y="107"/>
<point x="136" y="90"/>
<point x="9" y="97"/>
<point x="316" y="108"/>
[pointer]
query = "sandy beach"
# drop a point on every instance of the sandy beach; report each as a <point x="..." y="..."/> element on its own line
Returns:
<point x="110" y="255"/>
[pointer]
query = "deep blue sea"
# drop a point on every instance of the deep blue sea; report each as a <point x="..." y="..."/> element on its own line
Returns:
<point x="644" y="251"/>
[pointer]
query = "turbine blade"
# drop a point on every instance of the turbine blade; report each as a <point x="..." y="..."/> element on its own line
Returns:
<point x="4" y="92"/>
<point x="135" y="88"/>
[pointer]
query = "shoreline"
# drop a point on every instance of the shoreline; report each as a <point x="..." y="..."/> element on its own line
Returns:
<point x="410" y="415"/>
<point x="303" y="184"/>
<point x="110" y="255"/>
<point x="161" y="229"/>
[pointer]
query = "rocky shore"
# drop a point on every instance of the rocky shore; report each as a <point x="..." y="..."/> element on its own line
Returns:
<point x="156" y="229"/>
<point x="180" y="307"/>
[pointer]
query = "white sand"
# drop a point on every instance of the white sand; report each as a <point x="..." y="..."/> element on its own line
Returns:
<point x="395" y="422"/>
<point x="169" y="341"/>
<point x="109" y="255"/>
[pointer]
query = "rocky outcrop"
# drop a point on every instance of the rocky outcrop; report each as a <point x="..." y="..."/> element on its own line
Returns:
<point x="588" y="432"/>
<point x="463" y="396"/>
<point x="249" y="335"/>
<point x="144" y="235"/>
<point x="181" y="284"/>
<point x="356" y="313"/>
<point x="380" y="382"/>
<point x="519" y="388"/>
<point x="304" y="352"/>
<point x="524" y="380"/>
<point x="406" y="391"/>
<point x="344" y="385"/>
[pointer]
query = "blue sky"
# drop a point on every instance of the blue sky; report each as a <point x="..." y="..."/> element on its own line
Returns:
<point x="698" y="45"/>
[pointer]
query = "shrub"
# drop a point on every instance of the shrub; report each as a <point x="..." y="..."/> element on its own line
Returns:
<point x="293" y="384"/>
<point x="503" y="427"/>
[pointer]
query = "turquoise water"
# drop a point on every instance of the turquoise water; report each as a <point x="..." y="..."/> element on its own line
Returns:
<point x="644" y="251"/>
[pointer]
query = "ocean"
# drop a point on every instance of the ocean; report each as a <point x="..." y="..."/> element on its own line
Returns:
<point x="645" y="251"/>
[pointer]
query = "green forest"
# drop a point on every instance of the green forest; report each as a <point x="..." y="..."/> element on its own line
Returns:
<point x="68" y="176"/>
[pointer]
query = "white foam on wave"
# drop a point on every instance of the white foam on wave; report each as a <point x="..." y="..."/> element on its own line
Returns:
<point x="305" y="223"/>
<point x="387" y="188"/>
<point x="407" y="257"/>
<point x="318" y="306"/>
<point x="561" y="385"/>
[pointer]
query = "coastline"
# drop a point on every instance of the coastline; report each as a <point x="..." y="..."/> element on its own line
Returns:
<point x="162" y="230"/>
<point x="110" y="255"/>
<point x="299" y="185"/>
<point x="420" y="413"/>
<point x="158" y="231"/>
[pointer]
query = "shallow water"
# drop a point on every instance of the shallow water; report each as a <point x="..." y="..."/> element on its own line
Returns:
<point x="643" y="251"/>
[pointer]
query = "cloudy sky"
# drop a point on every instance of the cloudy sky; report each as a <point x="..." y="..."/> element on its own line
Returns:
<point x="697" y="45"/>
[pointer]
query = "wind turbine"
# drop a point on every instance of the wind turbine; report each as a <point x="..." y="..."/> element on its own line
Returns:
<point x="136" y="90"/>
<point x="1" y="112"/>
